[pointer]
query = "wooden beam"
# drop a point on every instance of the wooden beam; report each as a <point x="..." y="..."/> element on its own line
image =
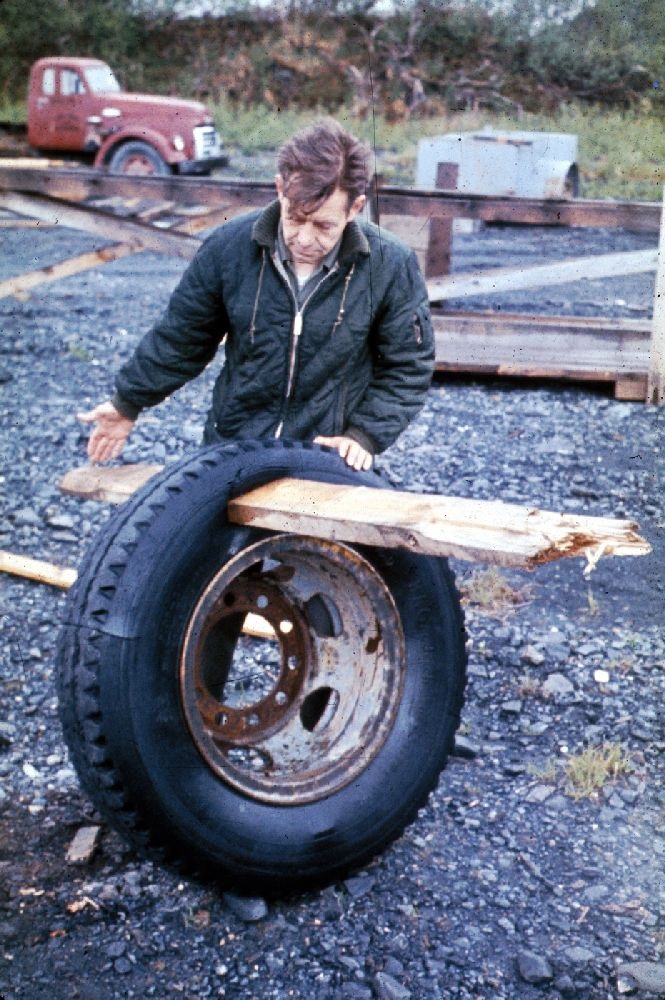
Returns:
<point x="440" y="240"/>
<point x="633" y="215"/>
<point x="656" y="380"/>
<point x="631" y="388"/>
<point x="64" y="269"/>
<point x="36" y="569"/>
<point x="568" y="347"/>
<point x="475" y="530"/>
<point x="64" y="578"/>
<point x="79" y="184"/>
<point x="17" y="223"/>
<point x="85" y="261"/>
<point x="512" y="279"/>
<point x="137" y="234"/>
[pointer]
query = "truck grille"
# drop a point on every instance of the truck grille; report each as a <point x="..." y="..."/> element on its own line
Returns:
<point x="206" y="142"/>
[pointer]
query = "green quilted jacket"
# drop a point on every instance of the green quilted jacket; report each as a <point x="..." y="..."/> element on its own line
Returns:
<point x="356" y="359"/>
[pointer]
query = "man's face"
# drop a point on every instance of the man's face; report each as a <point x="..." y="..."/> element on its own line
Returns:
<point x="310" y="236"/>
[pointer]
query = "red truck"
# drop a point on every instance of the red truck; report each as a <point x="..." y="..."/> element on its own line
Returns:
<point x="76" y="105"/>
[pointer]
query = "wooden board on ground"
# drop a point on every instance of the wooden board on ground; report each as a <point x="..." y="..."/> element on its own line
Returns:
<point x="558" y="347"/>
<point x="512" y="279"/>
<point x="473" y="530"/>
<point x="205" y="219"/>
<point x="65" y="577"/>
<point x="36" y="569"/>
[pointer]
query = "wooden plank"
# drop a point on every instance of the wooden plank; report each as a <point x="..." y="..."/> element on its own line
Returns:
<point x="32" y="163"/>
<point x="656" y="379"/>
<point x="114" y="484"/>
<point x="633" y="390"/>
<point x="214" y="217"/>
<point x="64" y="578"/>
<point x="474" y="530"/>
<point x="439" y="243"/>
<point x="80" y="184"/>
<point x="36" y="569"/>
<point x="17" y="223"/>
<point x="83" y="262"/>
<point x="633" y="215"/>
<point x="150" y="211"/>
<point x="137" y="234"/>
<point x="512" y="279"/>
<point x="64" y="269"/>
<point x="542" y="346"/>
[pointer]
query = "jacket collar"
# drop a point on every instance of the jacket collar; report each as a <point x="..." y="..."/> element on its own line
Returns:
<point x="264" y="232"/>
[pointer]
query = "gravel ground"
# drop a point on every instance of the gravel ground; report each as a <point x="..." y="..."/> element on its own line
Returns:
<point x="507" y="885"/>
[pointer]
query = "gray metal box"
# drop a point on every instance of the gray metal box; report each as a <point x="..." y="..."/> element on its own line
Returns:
<point x="528" y="164"/>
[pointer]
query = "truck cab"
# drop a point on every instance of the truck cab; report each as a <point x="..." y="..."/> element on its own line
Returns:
<point x="77" y="106"/>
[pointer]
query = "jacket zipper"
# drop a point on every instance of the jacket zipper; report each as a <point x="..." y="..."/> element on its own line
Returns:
<point x="296" y="330"/>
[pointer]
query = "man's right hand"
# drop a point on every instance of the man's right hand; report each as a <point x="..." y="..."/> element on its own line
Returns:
<point x="109" y="434"/>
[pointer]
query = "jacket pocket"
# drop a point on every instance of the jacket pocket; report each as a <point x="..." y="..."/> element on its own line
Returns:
<point x="423" y="332"/>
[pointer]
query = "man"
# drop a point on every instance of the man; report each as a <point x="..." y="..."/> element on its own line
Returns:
<point x="325" y="319"/>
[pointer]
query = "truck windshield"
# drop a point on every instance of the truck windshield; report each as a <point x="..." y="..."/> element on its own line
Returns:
<point x="100" y="80"/>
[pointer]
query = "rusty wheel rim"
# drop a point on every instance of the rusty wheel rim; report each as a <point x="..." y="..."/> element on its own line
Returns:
<point x="138" y="165"/>
<point x="296" y="717"/>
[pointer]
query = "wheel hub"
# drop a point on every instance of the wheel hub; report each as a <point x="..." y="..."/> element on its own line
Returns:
<point x="296" y="712"/>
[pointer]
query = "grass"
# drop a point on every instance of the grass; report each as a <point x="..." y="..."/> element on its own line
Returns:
<point x="489" y="592"/>
<point x="589" y="771"/>
<point x="621" y="153"/>
<point x="585" y="773"/>
<point x="13" y="112"/>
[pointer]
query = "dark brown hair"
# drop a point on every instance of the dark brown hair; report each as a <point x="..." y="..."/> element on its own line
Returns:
<point x="317" y="160"/>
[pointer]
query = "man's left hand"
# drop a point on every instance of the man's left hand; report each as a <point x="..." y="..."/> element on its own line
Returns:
<point x="353" y="453"/>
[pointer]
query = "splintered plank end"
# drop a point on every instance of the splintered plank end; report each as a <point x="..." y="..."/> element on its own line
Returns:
<point x="472" y="530"/>
<point x="488" y="531"/>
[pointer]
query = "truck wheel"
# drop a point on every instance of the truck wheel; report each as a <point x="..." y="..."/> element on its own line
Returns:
<point x="137" y="158"/>
<point x="278" y="761"/>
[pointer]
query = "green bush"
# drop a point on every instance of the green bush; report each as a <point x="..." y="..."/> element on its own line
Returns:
<point x="104" y="28"/>
<point x="533" y="56"/>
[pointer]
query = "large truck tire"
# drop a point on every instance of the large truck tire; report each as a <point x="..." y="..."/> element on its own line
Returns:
<point x="272" y="762"/>
<point x="137" y="158"/>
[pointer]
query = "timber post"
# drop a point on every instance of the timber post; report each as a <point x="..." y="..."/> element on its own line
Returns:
<point x="656" y="376"/>
<point x="439" y="246"/>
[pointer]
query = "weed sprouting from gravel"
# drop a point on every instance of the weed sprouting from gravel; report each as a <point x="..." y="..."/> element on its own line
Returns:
<point x="588" y="771"/>
<point x="528" y="686"/>
<point x="489" y="592"/>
